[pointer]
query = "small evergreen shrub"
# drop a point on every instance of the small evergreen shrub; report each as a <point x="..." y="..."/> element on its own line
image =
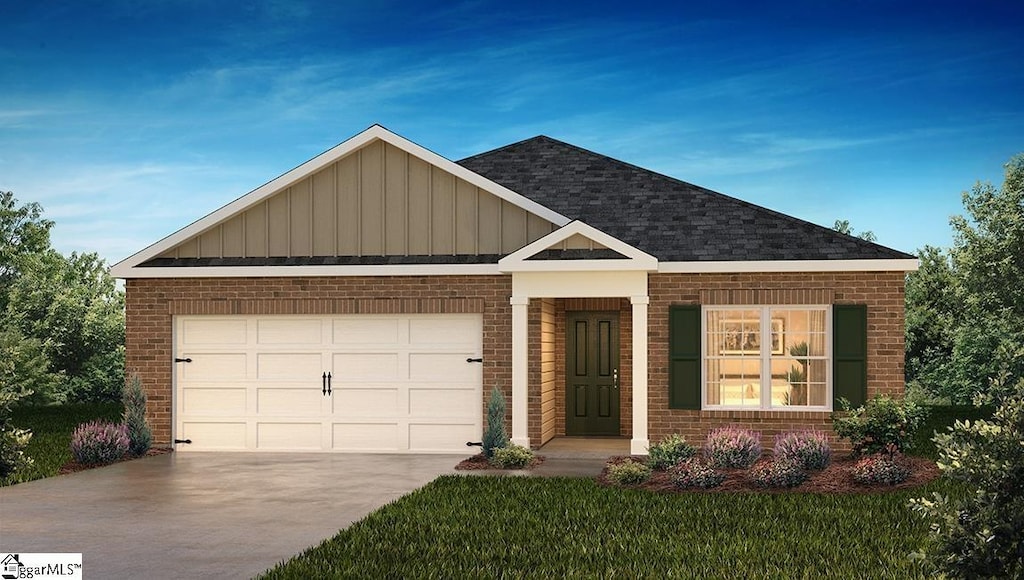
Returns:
<point x="980" y="534"/>
<point x="778" y="473"/>
<point x="880" y="468"/>
<point x="807" y="449"/>
<point x="512" y="457"/>
<point x="628" y="472"/>
<point x="99" y="442"/>
<point x="494" y="435"/>
<point x="695" y="472"/>
<point x="140" y="436"/>
<point x="883" y="425"/>
<point x="732" y="447"/>
<point x="669" y="451"/>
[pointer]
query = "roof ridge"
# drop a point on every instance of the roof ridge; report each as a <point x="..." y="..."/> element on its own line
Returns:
<point x="754" y="206"/>
<point x="509" y="146"/>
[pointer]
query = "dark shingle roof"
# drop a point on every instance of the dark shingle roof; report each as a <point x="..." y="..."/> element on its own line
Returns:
<point x="667" y="218"/>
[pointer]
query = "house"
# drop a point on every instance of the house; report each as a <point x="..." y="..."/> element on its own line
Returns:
<point x="371" y="298"/>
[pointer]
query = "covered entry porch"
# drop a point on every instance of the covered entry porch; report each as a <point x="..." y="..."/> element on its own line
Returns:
<point x="579" y="339"/>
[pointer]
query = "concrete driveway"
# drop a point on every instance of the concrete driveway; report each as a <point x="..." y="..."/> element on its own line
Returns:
<point x="204" y="515"/>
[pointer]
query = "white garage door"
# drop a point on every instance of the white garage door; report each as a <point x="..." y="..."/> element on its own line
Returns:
<point x="371" y="383"/>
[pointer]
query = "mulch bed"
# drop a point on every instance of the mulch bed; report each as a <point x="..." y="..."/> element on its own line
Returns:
<point x="834" y="479"/>
<point x="478" y="461"/>
<point x="74" y="466"/>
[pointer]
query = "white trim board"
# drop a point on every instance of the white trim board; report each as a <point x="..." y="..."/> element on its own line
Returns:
<point x="635" y="259"/>
<point x="893" y="265"/>
<point x="124" y="268"/>
<point x="285" y="271"/>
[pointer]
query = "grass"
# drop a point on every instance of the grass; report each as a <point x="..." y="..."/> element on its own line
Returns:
<point x="51" y="427"/>
<point x="489" y="527"/>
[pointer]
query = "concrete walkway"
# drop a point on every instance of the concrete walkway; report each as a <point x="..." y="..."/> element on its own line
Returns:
<point x="204" y="515"/>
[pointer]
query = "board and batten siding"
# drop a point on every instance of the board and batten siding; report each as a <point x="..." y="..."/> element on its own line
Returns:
<point x="377" y="201"/>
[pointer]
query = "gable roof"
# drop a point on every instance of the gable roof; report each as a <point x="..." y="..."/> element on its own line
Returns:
<point x="130" y="266"/>
<point x="670" y="219"/>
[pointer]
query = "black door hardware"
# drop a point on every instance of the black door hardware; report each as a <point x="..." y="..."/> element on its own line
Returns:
<point x="479" y="360"/>
<point x="328" y="383"/>
<point x="324" y="388"/>
<point x="185" y="441"/>
<point x="177" y="360"/>
<point x="474" y="443"/>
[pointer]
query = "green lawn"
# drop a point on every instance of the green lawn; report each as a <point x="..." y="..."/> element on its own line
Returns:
<point x="487" y="527"/>
<point x="51" y="427"/>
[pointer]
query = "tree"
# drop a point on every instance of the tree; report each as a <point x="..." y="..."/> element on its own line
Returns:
<point x="494" y="433"/>
<point x="930" y="319"/>
<point x="965" y="310"/>
<point x="23" y="232"/>
<point x="74" y="308"/>
<point x="843" y="227"/>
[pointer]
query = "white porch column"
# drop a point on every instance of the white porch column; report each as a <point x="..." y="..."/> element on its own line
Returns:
<point x="520" y="370"/>
<point x="640" y="441"/>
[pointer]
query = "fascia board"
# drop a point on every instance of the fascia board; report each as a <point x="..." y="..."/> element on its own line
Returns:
<point x="884" y="265"/>
<point x="636" y="259"/>
<point x="285" y="271"/>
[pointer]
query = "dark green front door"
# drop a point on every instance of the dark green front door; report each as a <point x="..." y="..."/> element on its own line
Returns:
<point x="592" y="373"/>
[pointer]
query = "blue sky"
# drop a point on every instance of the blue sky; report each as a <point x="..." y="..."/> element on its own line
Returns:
<point x="129" y="119"/>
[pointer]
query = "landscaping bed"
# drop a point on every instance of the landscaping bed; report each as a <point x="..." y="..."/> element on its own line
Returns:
<point x="479" y="462"/>
<point x="836" y="478"/>
<point x="73" y="466"/>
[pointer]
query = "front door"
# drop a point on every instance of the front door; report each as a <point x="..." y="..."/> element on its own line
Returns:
<point x="592" y="373"/>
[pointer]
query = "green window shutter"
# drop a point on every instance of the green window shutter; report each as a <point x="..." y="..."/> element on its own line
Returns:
<point x="850" y="353"/>
<point x="684" y="357"/>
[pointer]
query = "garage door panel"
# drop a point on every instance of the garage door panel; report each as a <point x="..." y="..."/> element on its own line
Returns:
<point x="443" y="403"/>
<point x="351" y="402"/>
<point x="291" y="402"/>
<point x="444" y="330"/>
<point x="296" y="367"/>
<point x="366" y="436"/>
<point x="440" y="366"/>
<point x="213" y="401"/>
<point x="216" y="331"/>
<point x="211" y="367"/>
<point x="400" y="383"/>
<point x="289" y="331"/>
<point x="365" y="366"/>
<point x="441" y="437"/>
<point x="361" y="331"/>
<point x="289" y="436"/>
<point x="220" y="435"/>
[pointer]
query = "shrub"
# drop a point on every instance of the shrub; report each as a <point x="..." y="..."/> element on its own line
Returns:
<point x="494" y="435"/>
<point x="99" y="442"/>
<point x="882" y="425"/>
<point x="139" y="434"/>
<point x="695" y="472"/>
<point x="980" y="534"/>
<point x="732" y="447"/>
<point x="512" y="457"/>
<point x="628" y="472"/>
<point x="807" y="449"/>
<point x="778" y="472"/>
<point x="669" y="451"/>
<point x="880" y="468"/>
<point x="12" y="439"/>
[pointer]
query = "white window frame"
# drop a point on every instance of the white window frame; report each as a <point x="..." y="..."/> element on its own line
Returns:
<point x="765" y="311"/>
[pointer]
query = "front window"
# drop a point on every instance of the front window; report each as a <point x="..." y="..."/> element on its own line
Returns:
<point x="766" y="357"/>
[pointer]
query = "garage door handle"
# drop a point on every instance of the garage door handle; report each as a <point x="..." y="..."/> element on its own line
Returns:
<point x="479" y="360"/>
<point x="186" y="360"/>
<point x="328" y="384"/>
<point x="324" y="388"/>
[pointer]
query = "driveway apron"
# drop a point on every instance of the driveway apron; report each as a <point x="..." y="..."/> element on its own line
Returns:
<point x="204" y="515"/>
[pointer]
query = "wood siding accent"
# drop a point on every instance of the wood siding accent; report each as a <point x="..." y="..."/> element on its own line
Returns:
<point x="377" y="201"/>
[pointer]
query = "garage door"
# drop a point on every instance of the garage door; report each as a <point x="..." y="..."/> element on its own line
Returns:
<point x="369" y="383"/>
